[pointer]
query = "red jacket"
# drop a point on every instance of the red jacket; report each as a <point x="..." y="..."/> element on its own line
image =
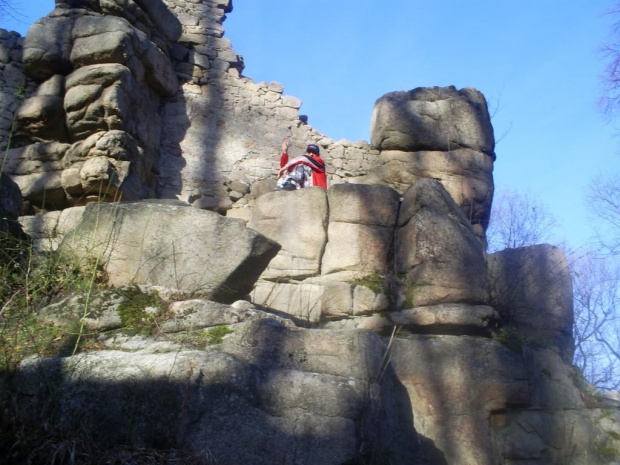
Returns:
<point x="316" y="163"/>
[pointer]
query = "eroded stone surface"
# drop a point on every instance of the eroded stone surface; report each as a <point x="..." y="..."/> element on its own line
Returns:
<point x="287" y="395"/>
<point x="149" y="243"/>
<point x="532" y="289"/>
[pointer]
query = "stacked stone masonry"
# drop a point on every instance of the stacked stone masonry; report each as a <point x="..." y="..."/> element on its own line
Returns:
<point x="204" y="133"/>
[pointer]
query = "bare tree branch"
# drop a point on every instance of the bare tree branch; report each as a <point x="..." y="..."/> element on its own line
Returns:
<point x="518" y="220"/>
<point x="603" y="197"/>
<point x="596" y="287"/>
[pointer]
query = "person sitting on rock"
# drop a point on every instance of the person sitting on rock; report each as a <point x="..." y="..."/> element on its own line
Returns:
<point x="305" y="171"/>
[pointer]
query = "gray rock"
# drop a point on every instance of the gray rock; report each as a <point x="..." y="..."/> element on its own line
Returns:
<point x="448" y="318"/>
<point x="557" y="436"/>
<point x="454" y="384"/>
<point x="432" y="118"/>
<point x="47" y="48"/>
<point x="42" y="118"/>
<point x="554" y="382"/>
<point x="297" y="220"/>
<point x="171" y="246"/>
<point x="98" y="311"/>
<point x="437" y="251"/>
<point x="196" y="314"/>
<point x="48" y="229"/>
<point x="532" y="289"/>
<point x="361" y="226"/>
<point x="466" y="174"/>
<point x="289" y="396"/>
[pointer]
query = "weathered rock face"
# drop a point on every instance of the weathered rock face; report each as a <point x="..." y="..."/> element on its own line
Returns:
<point x="454" y="384"/>
<point x="466" y="174"/>
<point x="437" y="133"/>
<point x="297" y="220"/>
<point x="434" y="118"/>
<point x="103" y="69"/>
<point x="170" y="245"/>
<point x="357" y="252"/>
<point x="437" y="252"/>
<point x="532" y="288"/>
<point x="361" y="229"/>
<point x="287" y="395"/>
<point x="140" y="98"/>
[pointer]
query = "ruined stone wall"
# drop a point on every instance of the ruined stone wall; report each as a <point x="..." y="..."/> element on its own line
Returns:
<point x="141" y="99"/>
<point x="223" y="130"/>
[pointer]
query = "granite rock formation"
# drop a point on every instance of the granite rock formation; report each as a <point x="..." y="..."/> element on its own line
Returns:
<point x="380" y="332"/>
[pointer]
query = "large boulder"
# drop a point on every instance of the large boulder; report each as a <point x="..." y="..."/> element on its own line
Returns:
<point x="432" y="118"/>
<point x="286" y="395"/>
<point x="47" y="229"/>
<point x="110" y="39"/>
<point x="588" y="436"/>
<point x="107" y="97"/>
<point x="37" y="169"/>
<point x="47" y="47"/>
<point x="298" y="221"/>
<point x="361" y="229"/>
<point x="454" y="384"/>
<point x="104" y="67"/>
<point x="438" y="256"/>
<point x="532" y="289"/>
<point x="170" y="244"/>
<point x="70" y="37"/>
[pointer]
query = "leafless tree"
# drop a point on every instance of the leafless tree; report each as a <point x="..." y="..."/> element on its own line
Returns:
<point x="610" y="99"/>
<point x="9" y="8"/>
<point x="518" y="220"/>
<point x="596" y="292"/>
<point x="603" y="198"/>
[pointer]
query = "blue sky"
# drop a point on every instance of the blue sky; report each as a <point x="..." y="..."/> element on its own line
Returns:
<point x="537" y="63"/>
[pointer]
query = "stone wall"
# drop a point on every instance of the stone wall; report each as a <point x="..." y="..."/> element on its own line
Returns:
<point x="131" y="106"/>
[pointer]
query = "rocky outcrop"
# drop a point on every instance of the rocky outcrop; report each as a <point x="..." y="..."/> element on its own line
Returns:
<point x="103" y="69"/>
<point x="370" y="251"/>
<point x="468" y="360"/>
<point x="297" y="220"/>
<point x="287" y="395"/>
<point x="172" y="245"/>
<point x="437" y="252"/>
<point x="162" y="110"/>
<point x="455" y="384"/>
<point x="435" y="118"/>
<point x="532" y="288"/>
<point x="438" y="133"/>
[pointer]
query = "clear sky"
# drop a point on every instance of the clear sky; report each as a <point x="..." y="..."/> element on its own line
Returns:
<point x="536" y="61"/>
